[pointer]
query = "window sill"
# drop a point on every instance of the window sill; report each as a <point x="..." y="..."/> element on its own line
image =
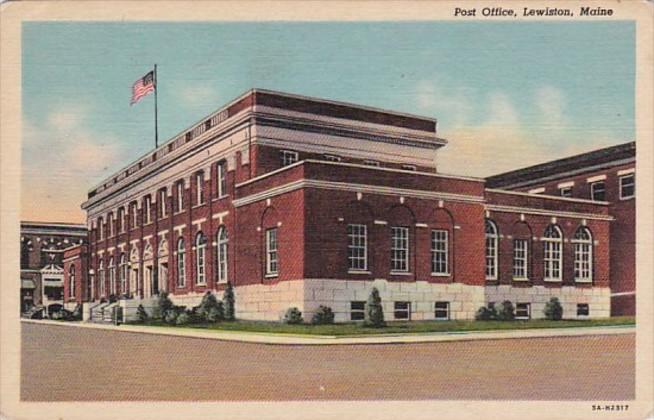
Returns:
<point x="198" y="205"/>
<point x="222" y="197"/>
<point x="520" y="278"/>
<point x="584" y="281"/>
<point x="271" y="275"/>
<point x="552" y="280"/>
<point x="491" y="278"/>
<point x="441" y="274"/>
<point x="522" y="318"/>
<point x="400" y="273"/>
<point x="442" y="319"/>
<point x="175" y="213"/>
<point x="358" y="272"/>
<point x="147" y="224"/>
<point x="627" y="198"/>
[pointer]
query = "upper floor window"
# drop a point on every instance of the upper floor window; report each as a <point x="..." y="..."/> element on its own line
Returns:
<point x="179" y="196"/>
<point x="221" y="178"/>
<point x="565" y="191"/>
<point x="200" y="254"/>
<point x="371" y="163"/>
<point x="598" y="191"/>
<point x="399" y="249"/>
<point x="520" y="258"/>
<point x="357" y="247"/>
<point x="199" y="190"/>
<point x="583" y="244"/>
<point x="439" y="252"/>
<point x="162" y="203"/>
<point x="221" y="254"/>
<point x="110" y="225"/>
<point x="181" y="263"/>
<point x="333" y="158"/>
<point x="122" y="273"/>
<point x="121" y="220"/>
<point x="147" y="209"/>
<point x="552" y="253"/>
<point x="409" y="167"/>
<point x="100" y="229"/>
<point x="135" y="215"/>
<point x="288" y="157"/>
<point x="627" y="186"/>
<point x="272" y="267"/>
<point x="492" y="239"/>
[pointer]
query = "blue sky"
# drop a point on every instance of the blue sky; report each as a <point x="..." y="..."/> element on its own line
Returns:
<point x="505" y="94"/>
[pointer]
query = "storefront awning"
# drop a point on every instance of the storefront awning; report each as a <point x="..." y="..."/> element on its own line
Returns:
<point x="27" y="284"/>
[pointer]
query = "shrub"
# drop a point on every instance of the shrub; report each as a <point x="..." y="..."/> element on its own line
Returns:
<point x="507" y="312"/>
<point x="228" y="302"/>
<point x="486" y="313"/>
<point x="553" y="310"/>
<point x="170" y="316"/>
<point x="374" y="316"/>
<point x="112" y="298"/>
<point x="293" y="316"/>
<point x="141" y="314"/>
<point x="210" y="309"/>
<point x="182" y="319"/>
<point x="164" y="304"/>
<point x="323" y="315"/>
<point x="76" y="315"/>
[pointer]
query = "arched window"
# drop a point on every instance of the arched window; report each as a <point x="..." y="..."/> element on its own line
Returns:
<point x="221" y="254"/>
<point x="200" y="251"/>
<point x="553" y="253"/>
<point x="101" y="279"/>
<point x="100" y="229"/>
<point x="181" y="260"/>
<point x="71" y="281"/>
<point x="583" y="242"/>
<point x="491" y="249"/>
<point x="122" y="273"/>
<point x="112" y="277"/>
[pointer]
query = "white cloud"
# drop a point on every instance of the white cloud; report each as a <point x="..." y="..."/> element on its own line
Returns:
<point x="198" y="95"/>
<point x="61" y="160"/>
<point x="436" y="97"/>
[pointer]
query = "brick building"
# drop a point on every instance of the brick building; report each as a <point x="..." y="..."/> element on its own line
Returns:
<point x="304" y="202"/>
<point x="602" y="175"/>
<point x="41" y="261"/>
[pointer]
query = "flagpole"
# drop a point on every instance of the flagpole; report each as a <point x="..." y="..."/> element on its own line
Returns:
<point x="156" y="120"/>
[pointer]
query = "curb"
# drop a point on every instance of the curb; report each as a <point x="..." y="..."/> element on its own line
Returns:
<point x="289" y="339"/>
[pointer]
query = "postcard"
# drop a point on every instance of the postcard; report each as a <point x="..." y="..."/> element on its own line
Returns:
<point x="327" y="209"/>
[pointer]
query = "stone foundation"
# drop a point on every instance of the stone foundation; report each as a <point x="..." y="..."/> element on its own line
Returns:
<point x="597" y="298"/>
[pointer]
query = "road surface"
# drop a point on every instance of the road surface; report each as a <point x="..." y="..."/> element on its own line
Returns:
<point x="62" y="363"/>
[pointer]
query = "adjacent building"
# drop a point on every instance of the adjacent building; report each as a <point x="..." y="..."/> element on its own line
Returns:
<point x="607" y="175"/>
<point x="41" y="261"/>
<point x="301" y="202"/>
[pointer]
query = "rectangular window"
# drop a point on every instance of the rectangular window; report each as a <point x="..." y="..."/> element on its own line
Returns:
<point x="271" y="252"/>
<point x="439" y="251"/>
<point x="520" y="253"/>
<point x="357" y="310"/>
<point x="400" y="249"/>
<point x="523" y="311"/>
<point x="402" y="310"/>
<point x="409" y="167"/>
<point x="162" y="203"/>
<point x="121" y="220"/>
<point x="583" y="309"/>
<point x="221" y="181"/>
<point x="332" y="158"/>
<point x="288" y="157"/>
<point x="565" y="191"/>
<point x="371" y="163"/>
<point x="442" y="311"/>
<point x="199" y="188"/>
<point x="147" y="208"/>
<point x="627" y="186"/>
<point x="597" y="191"/>
<point x="583" y="261"/>
<point x="179" y="196"/>
<point x="552" y="260"/>
<point x="135" y="215"/>
<point x="357" y="250"/>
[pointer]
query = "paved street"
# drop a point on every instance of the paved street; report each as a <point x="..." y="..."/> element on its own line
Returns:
<point x="61" y="363"/>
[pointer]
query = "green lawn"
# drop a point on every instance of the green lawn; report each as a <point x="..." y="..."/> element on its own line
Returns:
<point x="414" y="327"/>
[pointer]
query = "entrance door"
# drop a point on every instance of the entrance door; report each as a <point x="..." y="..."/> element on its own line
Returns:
<point x="163" y="276"/>
<point x="134" y="283"/>
<point x="148" y="285"/>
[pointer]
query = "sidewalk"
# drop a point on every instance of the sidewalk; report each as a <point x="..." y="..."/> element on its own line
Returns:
<point x="290" y="339"/>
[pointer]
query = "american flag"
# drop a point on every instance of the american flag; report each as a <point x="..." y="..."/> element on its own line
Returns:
<point x="142" y="87"/>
